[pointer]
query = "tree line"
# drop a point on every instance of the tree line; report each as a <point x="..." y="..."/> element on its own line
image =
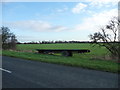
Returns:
<point x="53" y="42"/>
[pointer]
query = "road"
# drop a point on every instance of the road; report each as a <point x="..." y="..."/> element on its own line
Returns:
<point x="20" y="73"/>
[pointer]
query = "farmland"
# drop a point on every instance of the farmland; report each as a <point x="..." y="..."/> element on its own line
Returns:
<point x="93" y="60"/>
<point x="97" y="51"/>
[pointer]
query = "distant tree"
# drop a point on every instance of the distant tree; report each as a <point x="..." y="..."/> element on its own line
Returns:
<point x="8" y="39"/>
<point x="109" y="41"/>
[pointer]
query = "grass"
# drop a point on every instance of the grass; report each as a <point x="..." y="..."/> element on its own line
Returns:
<point x="98" y="51"/>
<point x="86" y="60"/>
<point x="102" y="65"/>
<point x="0" y="52"/>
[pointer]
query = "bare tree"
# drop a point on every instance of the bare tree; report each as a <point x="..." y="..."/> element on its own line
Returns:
<point x="107" y="37"/>
<point x="8" y="39"/>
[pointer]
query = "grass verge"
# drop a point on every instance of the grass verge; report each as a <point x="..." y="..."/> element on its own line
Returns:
<point x="102" y="65"/>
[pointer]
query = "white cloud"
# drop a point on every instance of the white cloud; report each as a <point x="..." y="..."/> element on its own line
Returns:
<point x="62" y="10"/>
<point x="101" y="3"/>
<point x="79" y="7"/>
<point x="89" y="24"/>
<point x="106" y="1"/>
<point x="34" y="25"/>
<point x="59" y="28"/>
<point x="99" y="19"/>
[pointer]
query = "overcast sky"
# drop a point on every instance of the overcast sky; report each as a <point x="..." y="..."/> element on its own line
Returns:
<point x="37" y="21"/>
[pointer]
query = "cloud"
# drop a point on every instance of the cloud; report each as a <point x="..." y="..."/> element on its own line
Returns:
<point x="59" y="28"/>
<point x="90" y="24"/>
<point x="34" y="25"/>
<point x="78" y="8"/>
<point x="101" y="3"/>
<point x="96" y="21"/>
<point x="62" y="10"/>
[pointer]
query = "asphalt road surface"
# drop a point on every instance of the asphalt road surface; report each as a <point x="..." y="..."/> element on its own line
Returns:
<point x="19" y="73"/>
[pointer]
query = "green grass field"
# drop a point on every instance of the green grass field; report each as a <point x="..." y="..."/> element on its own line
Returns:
<point x="90" y="60"/>
<point x="98" y="51"/>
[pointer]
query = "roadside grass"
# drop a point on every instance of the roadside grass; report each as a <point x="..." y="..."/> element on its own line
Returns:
<point x="84" y="62"/>
<point x="0" y="52"/>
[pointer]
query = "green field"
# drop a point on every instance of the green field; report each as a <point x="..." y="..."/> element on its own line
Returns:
<point x="93" y="60"/>
<point x="97" y="51"/>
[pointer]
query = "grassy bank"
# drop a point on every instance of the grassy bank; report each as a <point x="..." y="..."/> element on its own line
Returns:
<point x="0" y="52"/>
<point x="84" y="62"/>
